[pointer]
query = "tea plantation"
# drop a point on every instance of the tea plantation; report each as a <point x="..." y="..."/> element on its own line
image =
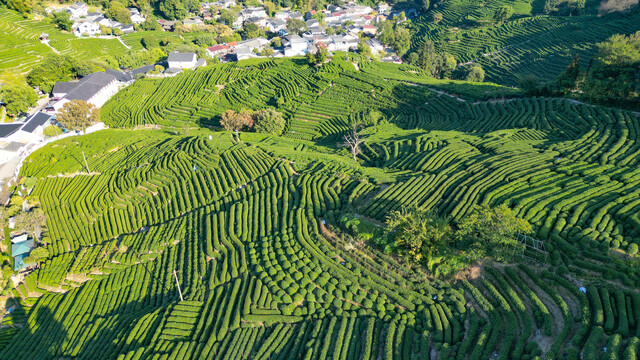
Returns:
<point x="248" y="226"/>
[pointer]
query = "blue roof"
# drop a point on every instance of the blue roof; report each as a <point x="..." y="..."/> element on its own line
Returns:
<point x="20" y="248"/>
<point x="19" y="263"/>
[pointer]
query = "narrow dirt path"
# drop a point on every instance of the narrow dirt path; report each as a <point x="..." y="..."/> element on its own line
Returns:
<point x="122" y="42"/>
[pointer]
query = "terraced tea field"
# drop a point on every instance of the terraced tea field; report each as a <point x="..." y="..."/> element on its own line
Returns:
<point x="247" y="227"/>
<point x="21" y="49"/>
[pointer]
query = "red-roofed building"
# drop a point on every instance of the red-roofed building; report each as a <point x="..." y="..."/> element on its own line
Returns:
<point x="219" y="49"/>
<point x="369" y="29"/>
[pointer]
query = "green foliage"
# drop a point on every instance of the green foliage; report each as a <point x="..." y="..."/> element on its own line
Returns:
<point x="393" y="34"/>
<point x="476" y="74"/>
<point x="491" y="231"/>
<point x="18" y="98"/>
<point x="296" y="26"/>
<point x="269" y="121"/>
<point x="62" y="21"/>
<point x="503" y="13"/>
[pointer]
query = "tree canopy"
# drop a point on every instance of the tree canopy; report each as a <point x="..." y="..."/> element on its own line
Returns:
<point x="18" y="98"/>
<point x="269" y="121"/>
<point x="78" y="115"/>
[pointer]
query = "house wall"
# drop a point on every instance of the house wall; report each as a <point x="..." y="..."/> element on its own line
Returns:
<point x="182" y="64"/>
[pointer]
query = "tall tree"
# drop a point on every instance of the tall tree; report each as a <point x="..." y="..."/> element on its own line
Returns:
<point x="269" y="121"/>
<point x="78" y="115"/>
<point x="476" y="73"/>
<point x="236" y="121"/>
<point x="353" y="139"/>
<point x="62" y="20"/>
<point x="33" y="222"/>
<point x="18" y="98"/>
<point x="503" y="13"/>
<point x="296" y="26"/>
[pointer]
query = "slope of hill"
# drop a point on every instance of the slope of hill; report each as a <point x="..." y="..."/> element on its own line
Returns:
<point x="530" y="43"/>
<point x="21" y="49"/>
<point x="247" y="227"/>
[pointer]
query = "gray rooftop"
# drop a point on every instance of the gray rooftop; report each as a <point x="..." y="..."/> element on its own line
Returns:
<point x="8" y="129"/>
<point x="90" y="85"/>
<point x="34" y="121"/>
<point x="176" y="56"/>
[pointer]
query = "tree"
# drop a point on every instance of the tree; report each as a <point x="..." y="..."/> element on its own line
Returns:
<point x="270" y="8"/>
<point x="33" y="222"/>
<point x="425" y="6"/>
<point x="21" y="6"/>
<point x="568" y="80"/>
<point x="269" y="121"/>
<point x="353" y="139"/>
<point x="503" y="13"/>
<point x="236" y="121"/>
<point x="227" y="17"/>
<point x="418" y="233"/>
<point x="614" y="75"/>
<point x="296" y="26"/>
<point x="364" y="49"/>
<point x="62" y="20"/>
<point x="150" y="23"/>
<point x="437" y="17"/>
<point x="476" y="73"/>
<point x="173" y="9"/>
<point x="492" y="231"/>
<point x="330" y="31"/>
<point x="36" y="255"/>
<point x="78" y="115"/>
<point x="413" y="58"/>
<point x="252" y="31"/>
<point x="276" y="42"/>
<point x="118" y="12"/>
<point x="18" y="98"/>
<point x="117" y="32"/>
<point x="267" y="52"/>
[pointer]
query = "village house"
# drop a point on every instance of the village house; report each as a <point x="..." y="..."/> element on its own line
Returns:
<point x="136" y="17"/>
<point x="77" y="10"/>
<point x="81" y="28"/>
<point x="243" y="52"/>
<point x="343" y="43"/>
<point x="375" y="45"/>
<point x="95" y="89"/>
<point x="194" y="21"/>
<point x="259" y="21"/>
<point x="369" y="29"/>
<point x="218" y="50"/>
<point x="21" y="247"/>
<point x="182" y="60"/>
<point x="93" y="16"/>
<point x="25" y="132"/>
<point x="383" y="8"/>
<point x="295" y="45"/>
<point x="276" y="26"/>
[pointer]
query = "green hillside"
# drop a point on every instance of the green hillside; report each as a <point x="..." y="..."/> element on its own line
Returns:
<point x="530" y="43"/>
<point x="21" y="49"/>
<point x="250" y="226"/>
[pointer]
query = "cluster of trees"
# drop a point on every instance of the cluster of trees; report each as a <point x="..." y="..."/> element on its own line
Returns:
<point x="612" y="77"/>
<point x="443" y="246"/>
<point x="319" y="57"/>
<point x="437" y="65"/>
<point x="266" y="121"/>
<point x="564" y="7"/>
<point x="17" y="98"/>
<point x="393" y="33"/>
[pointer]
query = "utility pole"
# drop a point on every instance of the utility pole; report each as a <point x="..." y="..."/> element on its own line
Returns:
<point x="175" y="273"/>
<point x="85" y="163"/>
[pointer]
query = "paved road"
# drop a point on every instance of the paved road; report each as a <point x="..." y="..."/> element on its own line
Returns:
<point x="8" y="169"/>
